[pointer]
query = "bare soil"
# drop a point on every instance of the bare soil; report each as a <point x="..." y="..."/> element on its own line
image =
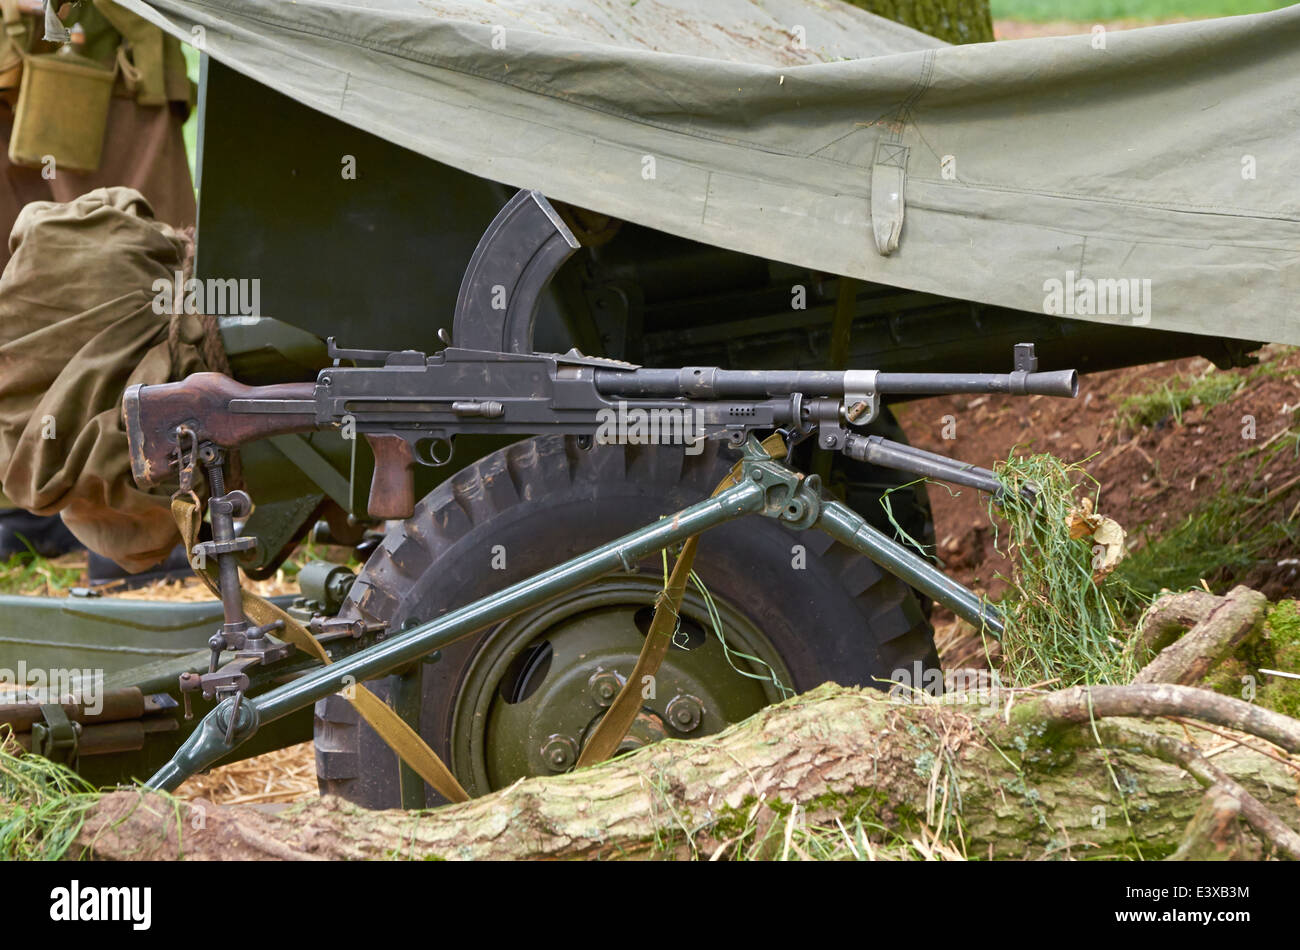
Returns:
<point x="1148" y="479"/>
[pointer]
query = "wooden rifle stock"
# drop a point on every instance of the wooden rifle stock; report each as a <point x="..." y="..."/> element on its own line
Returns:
<point x="202" y="402"/>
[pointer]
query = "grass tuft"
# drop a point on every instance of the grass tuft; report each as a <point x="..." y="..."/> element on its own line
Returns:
<point x="1170" y="398"/>
<point x="1061" y="626"/>
<point x="28" y="573"/>
<point x="42" y="807"/>
<point x="1219" y="542"/>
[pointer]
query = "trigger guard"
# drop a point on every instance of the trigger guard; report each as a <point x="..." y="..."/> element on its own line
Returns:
<point x="424" y="455"/>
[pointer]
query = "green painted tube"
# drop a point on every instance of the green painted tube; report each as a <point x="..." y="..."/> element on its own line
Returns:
<point x="208" y="742"/>
<point x="848" y="527"/>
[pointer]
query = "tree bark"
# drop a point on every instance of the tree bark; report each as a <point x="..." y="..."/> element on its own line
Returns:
<point x="1216" y="833"/>
<point x="1018" y="776"/>
<point x="955" y="21"/>
<point x="1169" y="617"/>
<point x="1220" y="625"/>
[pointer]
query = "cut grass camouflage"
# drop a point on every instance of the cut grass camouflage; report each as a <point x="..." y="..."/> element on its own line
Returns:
<point x="1061" y="626"/>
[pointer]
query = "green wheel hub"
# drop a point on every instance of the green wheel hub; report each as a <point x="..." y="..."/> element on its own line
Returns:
<point x="540" y="682"/>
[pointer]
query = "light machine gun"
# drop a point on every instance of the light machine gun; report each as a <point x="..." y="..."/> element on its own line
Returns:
<point x="410" y="406"/>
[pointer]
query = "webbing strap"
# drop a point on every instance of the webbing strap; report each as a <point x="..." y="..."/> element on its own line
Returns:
<point x="611" y="729"/>
<point x="390" y="727"/>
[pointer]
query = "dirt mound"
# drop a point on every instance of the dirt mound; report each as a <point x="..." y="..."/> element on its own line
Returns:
<point x="1162" y="441"/>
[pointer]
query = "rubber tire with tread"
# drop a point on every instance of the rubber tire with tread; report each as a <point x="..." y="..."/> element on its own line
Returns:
<point x="547" y="499"/>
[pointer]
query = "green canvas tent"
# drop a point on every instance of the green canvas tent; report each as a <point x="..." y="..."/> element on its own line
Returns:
<point x="1143" y="177"/>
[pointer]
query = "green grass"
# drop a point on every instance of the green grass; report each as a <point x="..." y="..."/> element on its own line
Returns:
<point x="1218" y="543"/>
<point x="1235" y="526"/>
<point x="1092" y="11"/>
<point x="1172" y="397"/>
<point x="1061" y="626"/>
<point x="42" y="807"/>
<point x="1277" y="649"/>
<point x="1280" y="693"/>
<point x="1220" y="540"/>
<point x="29" y="573"/>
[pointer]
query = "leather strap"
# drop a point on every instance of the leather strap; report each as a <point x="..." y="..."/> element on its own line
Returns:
<point x="613" y="726"/>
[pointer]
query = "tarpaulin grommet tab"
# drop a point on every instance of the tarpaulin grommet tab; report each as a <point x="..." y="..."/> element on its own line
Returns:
<point x="888" y="175"/>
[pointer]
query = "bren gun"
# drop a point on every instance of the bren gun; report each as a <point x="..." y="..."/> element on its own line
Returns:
<point x="410" y="406"/>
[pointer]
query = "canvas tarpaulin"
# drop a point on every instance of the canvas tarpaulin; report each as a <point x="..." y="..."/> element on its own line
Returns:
<point x="1141" y="177"/>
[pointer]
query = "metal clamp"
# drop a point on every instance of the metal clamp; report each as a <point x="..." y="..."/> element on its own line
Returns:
<point x="788" y="495"/>
<point x="861" y="398"/>
<point x="185" y="463"/>
<point x="56" y="737"/>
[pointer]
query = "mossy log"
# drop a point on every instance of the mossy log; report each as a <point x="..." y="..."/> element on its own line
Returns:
<point x="1018" y="775"/>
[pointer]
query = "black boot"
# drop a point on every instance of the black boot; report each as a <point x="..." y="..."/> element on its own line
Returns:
<point x="47" y="535"/>
<point x="103" y="571"/>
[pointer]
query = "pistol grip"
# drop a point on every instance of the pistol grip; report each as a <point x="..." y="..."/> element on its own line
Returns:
<point x="392" y="492"/>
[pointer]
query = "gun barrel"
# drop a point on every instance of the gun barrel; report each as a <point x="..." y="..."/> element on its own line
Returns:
<point x="710" y="382"/>
<point x="1063" y="382"/>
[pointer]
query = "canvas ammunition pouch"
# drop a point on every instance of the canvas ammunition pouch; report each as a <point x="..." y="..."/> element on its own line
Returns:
<point x="62" y="112"/>
<point x="63" y="95"/>
<point x="151" y="61"/>
<point x="79" y="322"/>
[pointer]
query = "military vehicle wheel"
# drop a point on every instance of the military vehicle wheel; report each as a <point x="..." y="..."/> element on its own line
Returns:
<point x="796" y="609"/>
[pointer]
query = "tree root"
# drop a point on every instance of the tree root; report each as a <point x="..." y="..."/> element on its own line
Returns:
<point x="1220" y="625"/>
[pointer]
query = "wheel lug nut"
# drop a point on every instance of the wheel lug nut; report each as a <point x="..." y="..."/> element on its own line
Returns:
<point x="604" y="686"/>
<point x="559" y="752"/>
<point x="685" y="712"/>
